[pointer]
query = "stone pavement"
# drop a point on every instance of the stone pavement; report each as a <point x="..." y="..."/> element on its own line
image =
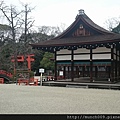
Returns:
<point x="15" y="99"/>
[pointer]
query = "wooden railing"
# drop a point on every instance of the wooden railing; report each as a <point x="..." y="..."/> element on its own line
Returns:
<point x="23" y="80"/>
<point x="1" y="80"/>
<point x="33" y="82"/>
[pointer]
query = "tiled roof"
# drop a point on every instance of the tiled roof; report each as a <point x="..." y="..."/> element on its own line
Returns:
<point x="93" y="25"/>
<point x="88" y="22"/>
<point x="104" y="36"/>
<point x="80" y="40"/>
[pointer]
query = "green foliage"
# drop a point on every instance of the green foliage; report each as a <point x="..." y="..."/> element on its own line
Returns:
<point x="9" y="48"/>
<point x="31" y="74"/>
<point x="46" y="62"/>
<point x="38" y="57"/>
<point x="5" y="57"/>
<point x="16" y="37"/>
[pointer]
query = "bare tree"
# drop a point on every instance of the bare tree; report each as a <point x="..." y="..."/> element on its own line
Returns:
<point x="5" y="31"/>
<point x="51" y="30"/>
<point x="12" y="16"/>
<point x="112" y="23"/>
<point x="27" y="22"/>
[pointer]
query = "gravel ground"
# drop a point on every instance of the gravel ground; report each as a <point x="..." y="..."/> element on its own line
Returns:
<point x="15" y="99"/>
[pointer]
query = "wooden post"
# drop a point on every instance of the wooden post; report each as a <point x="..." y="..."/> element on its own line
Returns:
<point x="91" y="66"/>
<point x="55" y="66"/>
<point x="96" y="71"/>
<point x="83" y="70"/>
<point x="64" y="72"/>
<point x="119" y="62"/>
<point x="88" y="72"/>
<point x="68" y="72"/>
<point x="72" y="65"/>
<point x="109" y="71"/>
<point x="112" y="64"/>
<point x="116" y="65"/>
<point x="77" y="71"/>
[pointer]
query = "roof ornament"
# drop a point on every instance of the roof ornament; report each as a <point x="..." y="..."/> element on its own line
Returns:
<point x="81" y="12"/>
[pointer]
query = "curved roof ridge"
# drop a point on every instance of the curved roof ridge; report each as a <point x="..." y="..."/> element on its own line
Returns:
<point x="88" y="21"/>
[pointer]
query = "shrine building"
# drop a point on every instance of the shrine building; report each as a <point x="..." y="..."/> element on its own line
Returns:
<point x="85" y="50"/>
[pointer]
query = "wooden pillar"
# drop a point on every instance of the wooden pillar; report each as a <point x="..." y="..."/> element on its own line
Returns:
<point x="88" y="71"/>
<point x="112" y="64"/>
<point x="91" y="66"/>
<point x="72" y="65"/>
<point x="109" y="71"/>
<point x="64" y="72"/>
<point x="68" y="72"/>
<point x="116" y="65"/>
<point x="119" y="63"/>
<point x="77" y="72"/>
<point x="96" y="71"/>
<point x="55" y="65"/>
<point x="83" y="70"/>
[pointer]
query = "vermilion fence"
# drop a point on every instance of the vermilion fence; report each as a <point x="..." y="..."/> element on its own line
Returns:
<point x="8" y="74"/>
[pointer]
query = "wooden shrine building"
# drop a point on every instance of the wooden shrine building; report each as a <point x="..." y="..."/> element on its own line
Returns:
<point x="85" y="50"/>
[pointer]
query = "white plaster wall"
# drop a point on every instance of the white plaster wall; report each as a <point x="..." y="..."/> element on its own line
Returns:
<point x="64" y="51"/>
<point x="101" y="49"/>
<point x="64" y="57"/>
<point x="82" y="50"/>
<point x="84" y="57"/>
<point x="81" y="57"/>
<point x="101" y="56"/>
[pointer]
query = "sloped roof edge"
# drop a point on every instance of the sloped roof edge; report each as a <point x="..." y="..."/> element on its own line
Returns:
<point x="79" y="40"/>
<point x="88" y="21"/>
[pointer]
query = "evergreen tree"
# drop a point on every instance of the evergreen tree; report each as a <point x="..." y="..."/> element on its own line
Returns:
<point x="46" y="62"/>
<point x="116" y="29"/>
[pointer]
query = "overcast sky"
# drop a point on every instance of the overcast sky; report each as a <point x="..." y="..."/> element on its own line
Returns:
<point x="56" y="12"/>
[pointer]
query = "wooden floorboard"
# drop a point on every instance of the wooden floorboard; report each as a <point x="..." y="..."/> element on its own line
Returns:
<point x="83" y="84"/>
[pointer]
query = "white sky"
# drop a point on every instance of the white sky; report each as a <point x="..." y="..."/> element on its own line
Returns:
<point x="56" y="12"/>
